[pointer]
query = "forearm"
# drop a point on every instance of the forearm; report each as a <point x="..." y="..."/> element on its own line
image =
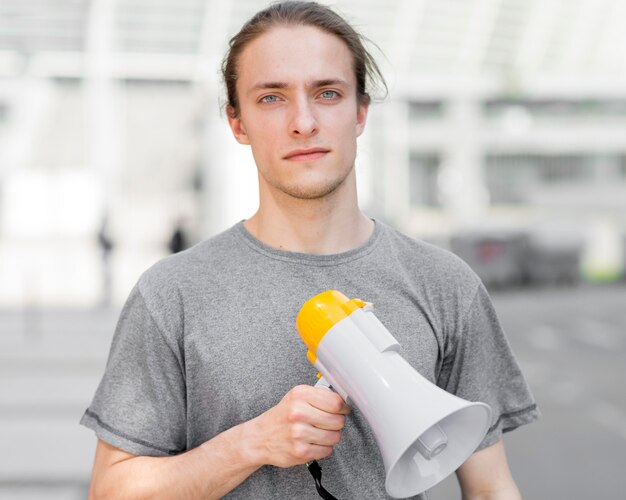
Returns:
<point x="505" y="493"/>
<point x="304" y="426"/>
<point x="486" y="476"/>
<point x="209" y="471"/>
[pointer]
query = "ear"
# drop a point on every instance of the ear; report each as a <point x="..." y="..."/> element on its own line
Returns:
<point x="361" y="118"/>
<point x="237" y="126"/>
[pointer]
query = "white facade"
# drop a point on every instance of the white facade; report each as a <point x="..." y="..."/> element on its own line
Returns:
<point x="501" y="114"/>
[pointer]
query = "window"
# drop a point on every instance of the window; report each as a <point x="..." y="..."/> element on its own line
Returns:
<point x="423" y="174"/>
<point x="558" y="108"/>
<point x="426" y="110"/>
<point x="511" y="177"/>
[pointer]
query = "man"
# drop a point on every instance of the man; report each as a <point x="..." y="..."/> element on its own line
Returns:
<point x="207" y="391"/>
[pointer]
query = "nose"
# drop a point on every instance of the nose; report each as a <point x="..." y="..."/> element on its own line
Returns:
<point x="303" y="120"/>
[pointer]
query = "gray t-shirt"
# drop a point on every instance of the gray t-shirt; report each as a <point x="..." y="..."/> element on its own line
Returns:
<point x="207" y="340"/>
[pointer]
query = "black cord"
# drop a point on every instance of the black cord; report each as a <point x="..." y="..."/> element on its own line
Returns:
<point x="316" y="472"/>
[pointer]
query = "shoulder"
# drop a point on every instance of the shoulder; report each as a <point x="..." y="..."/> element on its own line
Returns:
<point x="441" y="282"/>
<point x="428" y="261"/>
<point x="179" y="269"/>
<point x="168" y="285"/>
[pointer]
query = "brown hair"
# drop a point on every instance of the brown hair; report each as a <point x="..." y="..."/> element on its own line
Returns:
<point x="292" y="13"/>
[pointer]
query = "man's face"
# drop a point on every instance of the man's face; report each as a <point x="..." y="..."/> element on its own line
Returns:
<point x="299" y="111"/>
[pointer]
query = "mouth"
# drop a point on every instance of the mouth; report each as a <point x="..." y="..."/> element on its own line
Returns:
<point x="306" y="154"/>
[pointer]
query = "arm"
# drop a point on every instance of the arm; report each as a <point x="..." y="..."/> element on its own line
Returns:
<point x="486" y="476"/>
<point x="305" y="425"/>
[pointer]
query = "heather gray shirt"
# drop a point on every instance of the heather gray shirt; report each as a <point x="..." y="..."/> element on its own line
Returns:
<point x="207" y="340"/>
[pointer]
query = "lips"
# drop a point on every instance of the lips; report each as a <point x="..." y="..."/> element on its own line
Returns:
<point x="308" y="154"/>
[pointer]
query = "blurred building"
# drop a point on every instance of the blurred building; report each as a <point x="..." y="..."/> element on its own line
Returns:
<point x="504" y="118"/>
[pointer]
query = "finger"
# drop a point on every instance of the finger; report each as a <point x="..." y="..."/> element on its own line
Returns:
<point x="319" y="452"/>
<point x="301" y="411"/>
<point x="321" y="437"/>
<point x="315" y="436"/>
<point x="328" y="401"/>
<point x="312" y="452"/>
<point x="326" y="421"/>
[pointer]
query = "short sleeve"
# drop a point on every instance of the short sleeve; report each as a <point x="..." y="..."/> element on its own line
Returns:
<point x="139" y="405"/>
<point x="479" y="365"/>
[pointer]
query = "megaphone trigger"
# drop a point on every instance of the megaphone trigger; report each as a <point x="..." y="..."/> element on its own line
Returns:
<point x="324" y="383"/>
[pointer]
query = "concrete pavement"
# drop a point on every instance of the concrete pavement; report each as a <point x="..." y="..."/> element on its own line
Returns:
<point x="571" y="343"/>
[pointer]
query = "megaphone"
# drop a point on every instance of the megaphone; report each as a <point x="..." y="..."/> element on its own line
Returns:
<point x="423" y="432"/>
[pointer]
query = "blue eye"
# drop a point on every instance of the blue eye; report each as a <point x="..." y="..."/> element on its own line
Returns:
<point x="329" y="94"/>
<point x="269" y="98"/>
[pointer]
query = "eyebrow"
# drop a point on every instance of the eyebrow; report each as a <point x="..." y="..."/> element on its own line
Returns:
<point x="314" y="84"/>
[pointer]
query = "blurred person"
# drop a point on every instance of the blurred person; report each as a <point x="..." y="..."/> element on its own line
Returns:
<point x="207" y="391"/>
<point x="178" y="240"/>
<point x="106" y="244"/>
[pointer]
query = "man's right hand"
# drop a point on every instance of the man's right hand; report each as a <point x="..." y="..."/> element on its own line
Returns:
<point x="303" y="426"/>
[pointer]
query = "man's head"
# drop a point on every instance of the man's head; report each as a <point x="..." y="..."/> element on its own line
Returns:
<point x="295" y="13"/>
<point x="296" y="78"/>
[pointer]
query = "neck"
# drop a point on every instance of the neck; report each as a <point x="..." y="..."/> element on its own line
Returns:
<point x="321" y="226"/>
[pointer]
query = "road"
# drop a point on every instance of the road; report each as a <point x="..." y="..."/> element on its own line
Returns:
<point x="571" y="343"/>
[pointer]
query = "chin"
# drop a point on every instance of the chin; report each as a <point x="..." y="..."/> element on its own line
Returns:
<point x="308" y="185"/>
<point x="313" y="192"/>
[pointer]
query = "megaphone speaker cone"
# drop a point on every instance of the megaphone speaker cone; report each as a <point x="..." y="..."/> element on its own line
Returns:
<point x="415" y="471"/>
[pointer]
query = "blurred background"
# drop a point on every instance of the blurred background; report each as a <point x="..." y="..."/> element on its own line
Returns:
<point x="503" y="139"/>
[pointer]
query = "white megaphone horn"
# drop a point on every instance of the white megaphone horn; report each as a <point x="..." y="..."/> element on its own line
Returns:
<point x="423" y="432"/>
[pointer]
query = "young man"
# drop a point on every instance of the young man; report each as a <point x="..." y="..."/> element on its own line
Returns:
<point x="207" y="391"/>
